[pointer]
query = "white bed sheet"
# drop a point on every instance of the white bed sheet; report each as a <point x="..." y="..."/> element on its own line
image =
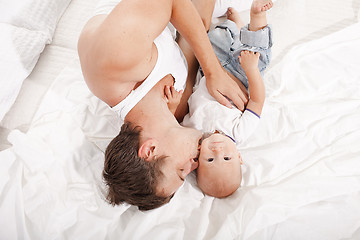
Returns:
<point x="301" y="171"/>
<point x="52" y="61"/>
<point x="26" y="26"/>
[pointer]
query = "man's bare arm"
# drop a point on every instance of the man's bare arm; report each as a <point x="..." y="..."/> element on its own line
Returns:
<point x="205" y="9"/>
<point x="189" y="24"/>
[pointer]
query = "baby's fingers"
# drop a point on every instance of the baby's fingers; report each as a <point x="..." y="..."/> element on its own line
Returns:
<point x="180" y="92"/>
<point x="175" y="93"/>
<point x="168" y="92"/>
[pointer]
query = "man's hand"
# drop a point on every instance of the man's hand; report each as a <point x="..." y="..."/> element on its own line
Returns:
<point x="223" y="89"/>
<point x="172" y="97"/>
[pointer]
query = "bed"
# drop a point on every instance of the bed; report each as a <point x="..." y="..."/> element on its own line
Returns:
<point x="301" y="172"/>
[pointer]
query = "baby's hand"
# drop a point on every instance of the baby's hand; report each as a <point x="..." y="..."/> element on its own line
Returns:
<point x="172" y="97"/>
<point x="249" y="60"/>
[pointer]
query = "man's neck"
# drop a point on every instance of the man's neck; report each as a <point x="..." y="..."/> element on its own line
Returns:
<point x="152" y="112"/>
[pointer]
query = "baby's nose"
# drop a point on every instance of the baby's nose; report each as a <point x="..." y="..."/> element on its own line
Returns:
<point x="216" y="148"/>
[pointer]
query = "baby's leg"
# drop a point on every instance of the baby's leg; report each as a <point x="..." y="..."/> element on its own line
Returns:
<point x="234" y="16"/>
<point x="258" y="14"/>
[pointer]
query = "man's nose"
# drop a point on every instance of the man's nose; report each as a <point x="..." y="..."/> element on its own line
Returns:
<point x="190" y="167"/>
<point x="194" y="165"/>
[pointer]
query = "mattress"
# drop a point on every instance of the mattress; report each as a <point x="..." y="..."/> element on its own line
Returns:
<point x="301" y="175"/>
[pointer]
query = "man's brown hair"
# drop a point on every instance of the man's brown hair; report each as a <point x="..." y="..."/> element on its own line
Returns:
<point x="130" y="178"/>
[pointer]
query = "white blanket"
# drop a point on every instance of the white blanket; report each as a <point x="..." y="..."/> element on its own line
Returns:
<point x="301" y="177"/>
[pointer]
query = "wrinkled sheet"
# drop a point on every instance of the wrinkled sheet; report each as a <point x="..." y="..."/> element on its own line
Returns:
<point x="301" y="173"/>
<point x="26" y="26"/>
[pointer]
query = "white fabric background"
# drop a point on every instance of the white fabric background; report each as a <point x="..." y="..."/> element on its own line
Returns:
<point x="26" y="26"/>
<point x="301" y="173"/>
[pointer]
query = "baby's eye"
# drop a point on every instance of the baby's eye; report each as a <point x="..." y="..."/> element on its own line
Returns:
<point x="227" y="158"/>
<point x="210" y="159"/>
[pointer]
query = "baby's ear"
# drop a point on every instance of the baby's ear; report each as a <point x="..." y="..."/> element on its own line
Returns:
<point x="148" y="149"/>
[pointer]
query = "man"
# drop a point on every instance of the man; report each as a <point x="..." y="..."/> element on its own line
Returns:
<point x="127" y="57"/>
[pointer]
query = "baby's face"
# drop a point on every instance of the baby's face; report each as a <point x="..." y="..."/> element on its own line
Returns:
<point x="219" y="165"/>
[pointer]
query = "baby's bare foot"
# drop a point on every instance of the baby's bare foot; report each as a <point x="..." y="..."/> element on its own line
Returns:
<point x="234" y="16"/>
<point x="259" y="6"/>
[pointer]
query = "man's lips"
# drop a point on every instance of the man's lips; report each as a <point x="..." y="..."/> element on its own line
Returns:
<point x="194" y="165"/>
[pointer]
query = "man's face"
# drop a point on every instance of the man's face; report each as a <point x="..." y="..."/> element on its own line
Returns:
<point x="182" y="149"/>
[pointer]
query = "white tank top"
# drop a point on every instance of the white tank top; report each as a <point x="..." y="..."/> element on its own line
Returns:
<point x="170" y="61"/>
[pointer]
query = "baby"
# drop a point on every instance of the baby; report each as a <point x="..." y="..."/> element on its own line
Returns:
<point x="245" y="55"/>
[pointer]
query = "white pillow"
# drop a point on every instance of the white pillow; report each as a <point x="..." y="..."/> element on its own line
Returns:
<point x="26" y="26"/>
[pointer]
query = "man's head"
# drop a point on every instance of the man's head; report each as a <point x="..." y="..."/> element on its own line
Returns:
<point x="146" y="171"/>
<point x="129" y="177"/>
<point x="219" y="172"/>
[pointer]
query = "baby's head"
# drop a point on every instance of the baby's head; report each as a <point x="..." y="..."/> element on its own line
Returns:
<point x="219" y="171"/>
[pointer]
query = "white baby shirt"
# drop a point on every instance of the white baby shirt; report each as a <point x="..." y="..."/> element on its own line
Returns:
<point x="208" y="115"/>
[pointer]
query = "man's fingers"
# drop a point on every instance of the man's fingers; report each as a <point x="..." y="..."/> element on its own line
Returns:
<point x="222" y="99"/>
<point x="244" y="96"/>
<point x="238" y="100"/>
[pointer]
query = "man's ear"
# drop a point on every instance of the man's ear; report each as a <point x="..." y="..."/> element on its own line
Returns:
<point x="148" y="149"/>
